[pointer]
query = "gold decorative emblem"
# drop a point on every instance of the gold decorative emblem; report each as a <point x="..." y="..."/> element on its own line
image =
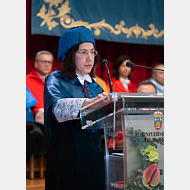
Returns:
<point x="67" y="22"/>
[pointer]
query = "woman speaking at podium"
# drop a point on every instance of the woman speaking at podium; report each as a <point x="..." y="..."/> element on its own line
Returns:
<point x="75" y="158"/>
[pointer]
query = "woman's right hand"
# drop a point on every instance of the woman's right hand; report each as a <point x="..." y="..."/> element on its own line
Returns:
<point x="89" y="101"/>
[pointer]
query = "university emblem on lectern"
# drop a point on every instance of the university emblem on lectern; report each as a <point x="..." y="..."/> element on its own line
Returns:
<point x="158" y="120"/>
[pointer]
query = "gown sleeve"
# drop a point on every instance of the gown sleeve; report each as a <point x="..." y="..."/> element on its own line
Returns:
<point x="67" y="109"/>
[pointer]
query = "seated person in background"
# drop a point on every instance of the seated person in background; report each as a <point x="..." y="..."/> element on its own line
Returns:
<point x="143" y="87"/>
<point x="146" y="86"/>
<point x="121" y="75"/>
<point x="36" y="143"/>
<point x="35" y="82"/>
<point x="158" y="78"/>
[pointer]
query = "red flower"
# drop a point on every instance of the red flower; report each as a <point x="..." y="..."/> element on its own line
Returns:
<point x="151" y="175"/>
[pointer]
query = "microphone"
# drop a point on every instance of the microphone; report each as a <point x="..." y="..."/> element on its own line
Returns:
<point x="131" y="64"/>
<point x="105" y="62"/>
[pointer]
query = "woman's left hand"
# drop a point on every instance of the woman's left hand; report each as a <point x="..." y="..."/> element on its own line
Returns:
<point x="89" y="101"/>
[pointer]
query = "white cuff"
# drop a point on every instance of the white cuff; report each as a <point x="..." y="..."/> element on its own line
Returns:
<point x="67" y="109"/>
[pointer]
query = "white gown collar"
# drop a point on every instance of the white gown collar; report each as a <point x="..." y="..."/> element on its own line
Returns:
<point x="83" y="78"/>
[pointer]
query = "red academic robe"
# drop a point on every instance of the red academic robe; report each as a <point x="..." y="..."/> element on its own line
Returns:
<point x="36" y="85"/>
<point x="118" y="86"/>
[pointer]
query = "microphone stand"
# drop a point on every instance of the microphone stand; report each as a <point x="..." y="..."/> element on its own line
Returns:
<point x="105" y="62"/>
<point x="110" y="82"/>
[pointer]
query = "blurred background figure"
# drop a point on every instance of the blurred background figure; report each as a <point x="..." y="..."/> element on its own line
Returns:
<point x="36" y="143"/>
<point x="102" y="83"/>
<point x="158" y="78"/>
<point x="146" y="87"/>
<point x="121" y="75"/>
<point x="35" y="82"/>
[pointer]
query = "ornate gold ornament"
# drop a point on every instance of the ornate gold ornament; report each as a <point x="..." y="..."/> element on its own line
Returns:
<point x="67" y="22"/>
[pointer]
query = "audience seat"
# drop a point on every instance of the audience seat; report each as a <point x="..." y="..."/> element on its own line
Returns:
<point x="41" y="166"/>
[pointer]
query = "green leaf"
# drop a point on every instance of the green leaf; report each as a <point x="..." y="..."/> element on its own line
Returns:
<point x="126" y="186"/>
<point x="139" y="176"/>
<point x="146" y="164"/>
<point x="145" y="144"/>
<point x="143" y="153"/>
<point x="139" y="170"/>
<point x="161" y="172"/>
<point x="157" y="140"/>
<point x="142" y="149"/>
<point x="142" y="139"/>
<point x="156" y="162"/>
<point x="155" y="188"/>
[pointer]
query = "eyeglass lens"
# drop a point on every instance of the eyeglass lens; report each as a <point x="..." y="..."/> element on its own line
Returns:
<point x="44" y="62"/>
<point x="85" y="53"/>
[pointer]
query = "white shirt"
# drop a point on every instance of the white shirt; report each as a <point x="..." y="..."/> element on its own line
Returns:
<point x="42" y="77"/>
<point x="160" y="87"/>
<point x="83" y="78"/>
<point x="125" y="82"/>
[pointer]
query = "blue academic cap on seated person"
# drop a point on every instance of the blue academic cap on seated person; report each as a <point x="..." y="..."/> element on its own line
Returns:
<point x="72" y="37"/>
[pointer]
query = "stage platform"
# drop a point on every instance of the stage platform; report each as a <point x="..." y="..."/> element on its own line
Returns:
<point x="36" y="184"/>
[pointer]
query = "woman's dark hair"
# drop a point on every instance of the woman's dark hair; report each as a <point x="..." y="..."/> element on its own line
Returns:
<point x="68" y="68"/>
<point x="117" y="64"/>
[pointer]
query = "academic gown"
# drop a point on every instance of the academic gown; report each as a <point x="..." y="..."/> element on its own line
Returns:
<point x="36" y="85"/>
<point x="118" y="86"/>
<point x="36" y="143"/>
<point x="75" y="158"/>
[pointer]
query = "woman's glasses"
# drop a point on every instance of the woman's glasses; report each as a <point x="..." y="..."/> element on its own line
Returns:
<point x="85" y="53"/>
